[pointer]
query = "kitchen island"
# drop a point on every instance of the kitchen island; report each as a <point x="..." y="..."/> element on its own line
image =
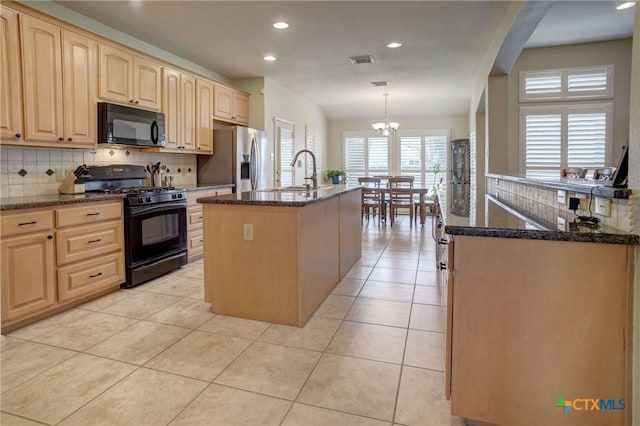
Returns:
<point x="275" y="255"/>
<point x="539" y="314"/>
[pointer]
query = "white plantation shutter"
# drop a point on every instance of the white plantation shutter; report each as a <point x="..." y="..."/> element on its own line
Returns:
<point x="378" y="155"/>
<point x="365" y="156"/>
<point x="568" y="136"/>
<point x="590" y="82"/>
<point x="564" y="84"/>
<point x="420" y="154"/>
<point x="543" y="142"/>
<point x="586" y="139"/>
<point x="354" y="163"/>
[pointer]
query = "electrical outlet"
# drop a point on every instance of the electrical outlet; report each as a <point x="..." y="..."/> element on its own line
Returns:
<point x="247" y="232"/>
<point x="561" y="223"/>
<point x="562" y="197"/>
<point x="603" y="206"/>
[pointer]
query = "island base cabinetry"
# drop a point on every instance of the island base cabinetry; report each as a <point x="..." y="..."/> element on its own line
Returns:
<point x="274" y="263"/>
<point x="534" y="322"/>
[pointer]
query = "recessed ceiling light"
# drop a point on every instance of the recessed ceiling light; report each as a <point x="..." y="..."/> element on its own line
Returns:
<point x="270" y="58"/>
<point x="626" y="5"/>
<point x="394" y="45"/>
<point x="280" y="25"/>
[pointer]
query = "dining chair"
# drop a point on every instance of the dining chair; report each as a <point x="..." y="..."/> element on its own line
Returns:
<point x="428" y="204"/>
<point x="372" y="198"/>
<point x="604" y="173"/>
<point x="573" y="173"/>
<point x="401" y="196"/>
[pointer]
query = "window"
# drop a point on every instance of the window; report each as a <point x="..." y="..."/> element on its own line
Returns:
<point x="285" y="145"/>
<point x="365" y="155"/>
<point x="313" y="144"/>
<point x="567" y="84"/>
<point x="423" y="155"/>
<point x="564" y="136"/>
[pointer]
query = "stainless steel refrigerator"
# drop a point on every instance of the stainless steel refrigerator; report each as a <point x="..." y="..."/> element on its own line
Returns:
<point x="241" y="156"/>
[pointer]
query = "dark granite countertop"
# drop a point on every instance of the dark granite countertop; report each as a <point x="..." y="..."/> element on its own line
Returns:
<point x="280" y="198"/>
<point x="15" y="203"/>
<point x="505" y="220"/>
<point x="205" y="186"/>
<point x="584" y="186"/>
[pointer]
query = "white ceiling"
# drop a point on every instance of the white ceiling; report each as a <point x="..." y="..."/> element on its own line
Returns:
<point x="431" y="74"/>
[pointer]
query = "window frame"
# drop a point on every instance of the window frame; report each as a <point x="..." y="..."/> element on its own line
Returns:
<point x="565" y="94"/>
<point x="366" y="135"/>
<point x="564" y="109"/>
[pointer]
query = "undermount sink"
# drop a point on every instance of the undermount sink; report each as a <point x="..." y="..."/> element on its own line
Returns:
<point x="295" y="188"/>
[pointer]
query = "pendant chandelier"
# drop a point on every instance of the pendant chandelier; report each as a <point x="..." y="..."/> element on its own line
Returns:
<point x="387" y="127"/>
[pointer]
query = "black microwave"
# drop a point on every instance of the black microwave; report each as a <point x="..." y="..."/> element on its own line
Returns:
<point x="122" y="125"/>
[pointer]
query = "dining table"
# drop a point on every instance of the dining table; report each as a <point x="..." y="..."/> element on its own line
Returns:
<point x="421" y="191"/>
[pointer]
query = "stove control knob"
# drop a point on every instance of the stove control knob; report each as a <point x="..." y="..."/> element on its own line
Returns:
<point x="140" y="200"/>
<point x="148" y="199"/>
<point x="179" y="195"/>
<point x="174" y="196"/>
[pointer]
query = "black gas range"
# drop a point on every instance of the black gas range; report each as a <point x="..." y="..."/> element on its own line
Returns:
<point x="155" y="221"/>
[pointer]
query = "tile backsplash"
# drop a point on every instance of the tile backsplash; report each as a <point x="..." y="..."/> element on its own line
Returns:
<point x="46" y="167"/>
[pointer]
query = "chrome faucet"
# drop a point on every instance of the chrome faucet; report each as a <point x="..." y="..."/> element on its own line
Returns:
<point x="314" y="176"/>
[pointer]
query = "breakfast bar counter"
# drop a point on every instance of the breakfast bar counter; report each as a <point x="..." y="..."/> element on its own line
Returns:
<point x="540" y="302"/>
<point x="275" y="255"/>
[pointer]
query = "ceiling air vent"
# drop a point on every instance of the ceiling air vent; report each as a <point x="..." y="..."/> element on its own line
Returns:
<point x="379" y="83"/>
<point x="364" y="59"/>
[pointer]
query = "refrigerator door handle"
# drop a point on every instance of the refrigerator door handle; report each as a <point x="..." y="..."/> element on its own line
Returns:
<point x="253" y="166"/>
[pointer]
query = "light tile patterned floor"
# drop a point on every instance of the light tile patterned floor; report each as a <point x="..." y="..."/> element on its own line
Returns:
<point x="371" y="355"/>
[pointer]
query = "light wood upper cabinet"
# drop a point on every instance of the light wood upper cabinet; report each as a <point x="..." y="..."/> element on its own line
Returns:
<point x="171" y="107"/>
<point x="230" y="105"/>
<point x="146" y="83"/>
<point x="204" y="116"/>
<point x="128" y="79"/>
<point x="79" y="57"/>
<point x="28" y="275"/>
<point x="188" y="111"/>
<point x="178" y="106"/>
<point x="10" y="76"/>
<point x="42" y="62"/>
<point x="59" y="85"/>
<point x="115" y="75"/>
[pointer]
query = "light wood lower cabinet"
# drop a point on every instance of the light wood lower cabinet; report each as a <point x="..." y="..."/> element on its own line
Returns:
<point x="54" y="258"/>
<point x="533" y="321"/>
<point x="28" y="275"/>
<point x="194" y="220"/>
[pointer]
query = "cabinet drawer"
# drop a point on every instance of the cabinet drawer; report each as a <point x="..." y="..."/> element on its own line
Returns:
<point x="194" y="216"/>
<point x="26" y="221"/>
<point x="196" y="241"/>
<point x="83" y="242"/>
<point x="192" y="196"/>
<point x="88" y="213"/>
<point x="90" y="276"/>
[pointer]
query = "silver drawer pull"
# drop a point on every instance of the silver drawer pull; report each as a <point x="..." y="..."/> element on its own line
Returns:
<point x="94" y="241"/>
<point x="28" y="223"/>
<point x="95" y="275"/>
<point x="93" y="214"/>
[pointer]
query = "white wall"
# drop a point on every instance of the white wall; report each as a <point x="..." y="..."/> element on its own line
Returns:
<point x="282" y="103"/>
<point x="458" y="125"/>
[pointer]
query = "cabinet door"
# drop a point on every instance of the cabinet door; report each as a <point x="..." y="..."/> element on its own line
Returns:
<point x="115" y="75"/>
<point x="28" y="280"/>
<point x="171" y="107"/>
<point x="41" y="50"/>
<point x="146" y="83"/>
<point x="79" y="56"/>
<point x="223" y="101"/>
<point x="204" y="109"/>
<point x="241" y="107"/>
<point x="10" y="76"/>
<point x="188" y="112"/>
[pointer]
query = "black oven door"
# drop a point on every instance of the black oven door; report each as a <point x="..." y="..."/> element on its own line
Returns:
<point x="155" y="232"/>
